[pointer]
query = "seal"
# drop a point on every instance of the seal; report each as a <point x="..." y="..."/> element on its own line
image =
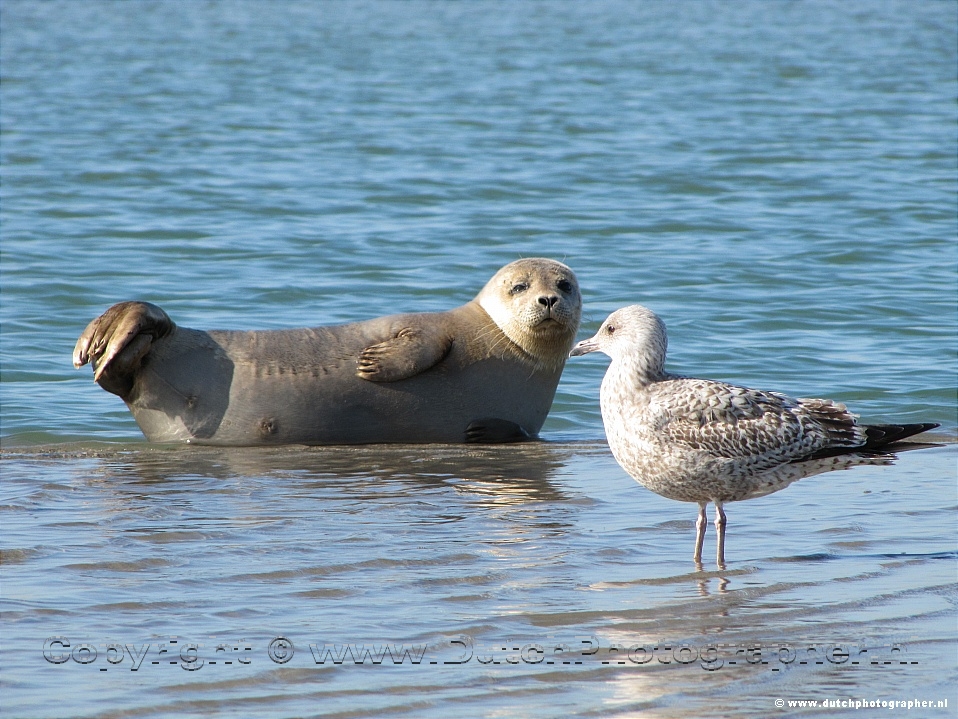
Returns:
<point x="485" y="372"/>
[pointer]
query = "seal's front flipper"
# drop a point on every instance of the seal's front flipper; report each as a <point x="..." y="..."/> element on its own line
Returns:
<point x="490" y="430"/>
<point x="408" y="353"/>
<point x="116" y="342"/>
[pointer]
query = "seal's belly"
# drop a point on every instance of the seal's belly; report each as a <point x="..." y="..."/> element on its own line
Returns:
<point x="343" y="409"/>
<point x="196" y="390"/>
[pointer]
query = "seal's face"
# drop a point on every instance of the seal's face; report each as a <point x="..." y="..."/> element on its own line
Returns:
<point x="536" y="303"/>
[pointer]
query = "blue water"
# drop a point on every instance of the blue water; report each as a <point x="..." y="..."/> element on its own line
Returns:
<point x="776" y="180"/>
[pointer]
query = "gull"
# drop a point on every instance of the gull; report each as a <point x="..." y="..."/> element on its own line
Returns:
<point x="699" y="440"/>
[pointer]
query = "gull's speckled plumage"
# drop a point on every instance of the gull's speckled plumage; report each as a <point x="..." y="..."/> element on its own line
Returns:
<point x="698" y="440"/>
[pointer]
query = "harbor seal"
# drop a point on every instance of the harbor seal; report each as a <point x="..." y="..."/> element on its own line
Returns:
<point x="484" y="372"/>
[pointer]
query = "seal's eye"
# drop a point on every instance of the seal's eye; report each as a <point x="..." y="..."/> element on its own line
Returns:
<point x="518" y="287"/>
<point x="610" y="329"/>
<point x="564" y="285"/>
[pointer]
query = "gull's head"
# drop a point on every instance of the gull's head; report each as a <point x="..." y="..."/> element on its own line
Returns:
<point x="631" y="333"/>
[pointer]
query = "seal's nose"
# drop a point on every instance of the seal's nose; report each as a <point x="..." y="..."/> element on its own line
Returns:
<point x="548" y="301"/>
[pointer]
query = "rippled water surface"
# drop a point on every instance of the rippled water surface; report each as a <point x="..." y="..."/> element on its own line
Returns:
<point x="776" y="180"/>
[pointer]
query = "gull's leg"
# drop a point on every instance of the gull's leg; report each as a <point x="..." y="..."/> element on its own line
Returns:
<point x="720" y="529"/>
<point x="700" y="525"/>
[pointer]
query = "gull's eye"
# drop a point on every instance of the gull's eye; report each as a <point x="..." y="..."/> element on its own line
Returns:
<point x="610" y="329"/>
<point x="564" y="285"/>
<point x="518" y="287"/>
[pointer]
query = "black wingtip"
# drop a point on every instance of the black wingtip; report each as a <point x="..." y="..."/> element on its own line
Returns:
<point x="882" y="435"/>
<point x="882" y="439"/>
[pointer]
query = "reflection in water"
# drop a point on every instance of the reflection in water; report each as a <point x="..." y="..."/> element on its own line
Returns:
<point x="521" y="471"/>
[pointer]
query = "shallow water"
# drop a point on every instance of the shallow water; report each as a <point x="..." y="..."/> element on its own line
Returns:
<point x="518" y="578"/>
<point x="776" y="180"/>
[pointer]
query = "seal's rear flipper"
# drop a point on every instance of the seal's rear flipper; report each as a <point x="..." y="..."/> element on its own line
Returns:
<point x="490" y="430"/>
<point x="117" y="341"/>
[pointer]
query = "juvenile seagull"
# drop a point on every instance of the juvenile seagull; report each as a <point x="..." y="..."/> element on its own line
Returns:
<point x="697" y="440"/>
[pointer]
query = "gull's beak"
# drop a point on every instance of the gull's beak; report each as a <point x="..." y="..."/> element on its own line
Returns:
<point x="584" y="347"/>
